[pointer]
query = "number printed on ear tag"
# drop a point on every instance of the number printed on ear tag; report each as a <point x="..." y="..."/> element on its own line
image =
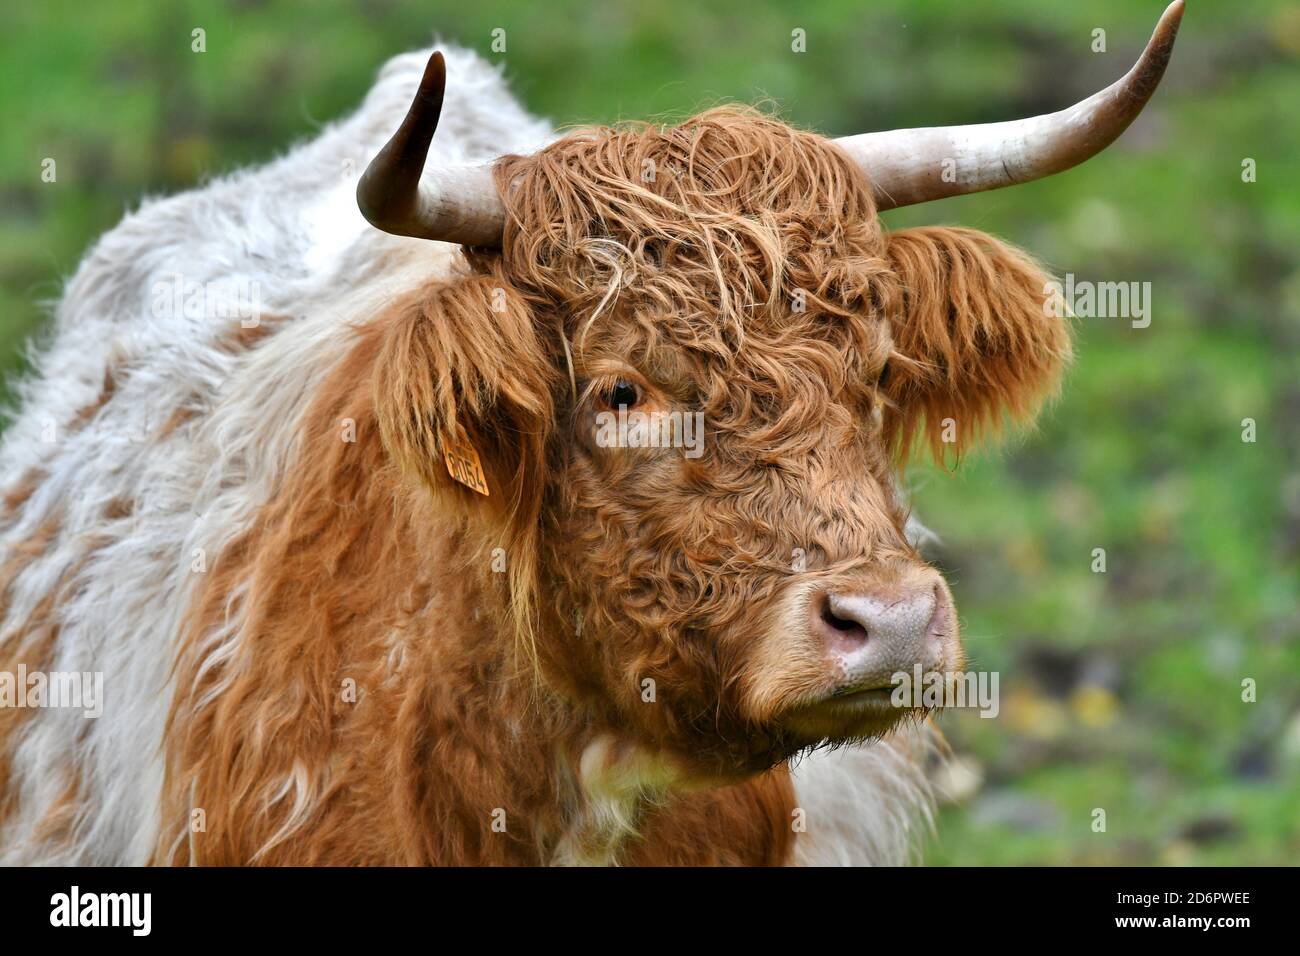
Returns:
<point x="463" y="465"/>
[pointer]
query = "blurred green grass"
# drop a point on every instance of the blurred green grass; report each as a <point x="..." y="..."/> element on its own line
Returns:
<point x="1121" y="690"/>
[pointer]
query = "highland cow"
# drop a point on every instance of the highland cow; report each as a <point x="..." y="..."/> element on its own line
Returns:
<point x="361" y="582"/>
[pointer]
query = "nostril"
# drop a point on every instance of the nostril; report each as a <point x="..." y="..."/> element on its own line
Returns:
<point x="839" y="623"/>
<point x="840" y="631"/>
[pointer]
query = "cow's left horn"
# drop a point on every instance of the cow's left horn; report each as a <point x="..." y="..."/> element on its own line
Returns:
<point x="907" y="166"/>
<point x="453" y="204"/>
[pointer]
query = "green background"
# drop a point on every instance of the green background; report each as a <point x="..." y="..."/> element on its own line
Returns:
<point x="1120" y="690"/>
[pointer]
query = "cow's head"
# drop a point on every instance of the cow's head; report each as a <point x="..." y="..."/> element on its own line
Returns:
<point x="690" y="361"/>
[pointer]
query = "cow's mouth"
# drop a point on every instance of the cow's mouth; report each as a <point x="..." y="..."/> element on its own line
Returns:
<point x="847" y="713"/>
<point x="845" y="694"/>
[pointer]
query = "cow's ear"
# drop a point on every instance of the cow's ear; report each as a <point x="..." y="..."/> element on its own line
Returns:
<point x="978" y="338"/>
<point x="462" y="370"/>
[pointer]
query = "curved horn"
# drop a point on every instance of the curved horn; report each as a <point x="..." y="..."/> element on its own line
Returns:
<point x="454" y="204"/>
<point x="905" y="166"/>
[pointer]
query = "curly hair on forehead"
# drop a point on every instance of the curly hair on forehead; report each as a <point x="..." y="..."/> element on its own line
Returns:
<point x="716" y="222"/>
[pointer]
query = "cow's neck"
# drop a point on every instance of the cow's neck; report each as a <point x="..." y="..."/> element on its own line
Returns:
<point x="582" y="787"/>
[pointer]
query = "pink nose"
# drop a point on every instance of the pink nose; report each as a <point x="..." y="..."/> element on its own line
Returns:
<point x="870" y="637"/>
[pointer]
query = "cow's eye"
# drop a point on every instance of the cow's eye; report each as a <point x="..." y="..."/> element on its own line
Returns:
<point x="622" y="393"/>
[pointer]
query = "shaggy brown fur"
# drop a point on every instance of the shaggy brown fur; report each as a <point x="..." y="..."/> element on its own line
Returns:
<point x="729" y="265"/>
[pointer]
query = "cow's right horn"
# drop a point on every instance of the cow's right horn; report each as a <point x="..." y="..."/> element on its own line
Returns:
<point x="453" y="204"/>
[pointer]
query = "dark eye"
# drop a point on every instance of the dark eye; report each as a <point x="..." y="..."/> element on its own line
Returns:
<point x="622" y="393"/>
<point x="883" y="380"/>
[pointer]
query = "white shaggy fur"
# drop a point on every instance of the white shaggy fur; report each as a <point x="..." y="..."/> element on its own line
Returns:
<point x="291" y="232"/>
<point x="865" y="806"/>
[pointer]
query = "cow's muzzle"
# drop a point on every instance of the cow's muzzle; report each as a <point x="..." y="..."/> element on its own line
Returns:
<point x="873" y="634"/>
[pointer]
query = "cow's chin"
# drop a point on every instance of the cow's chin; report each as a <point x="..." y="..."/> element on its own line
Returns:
<point x="850" y="718"/>
<point x="847" y="719"/>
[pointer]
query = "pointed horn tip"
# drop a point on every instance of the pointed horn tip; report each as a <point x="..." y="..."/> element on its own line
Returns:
<point x="433" y="84"/>
<point x="435" y="71"/>
<point x="1167" y="27"/>
<point x="1147" y="72"/>
<point x="1169" y="20"/>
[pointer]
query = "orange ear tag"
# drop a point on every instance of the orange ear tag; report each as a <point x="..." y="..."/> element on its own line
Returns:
<point x="463" y="466"/>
